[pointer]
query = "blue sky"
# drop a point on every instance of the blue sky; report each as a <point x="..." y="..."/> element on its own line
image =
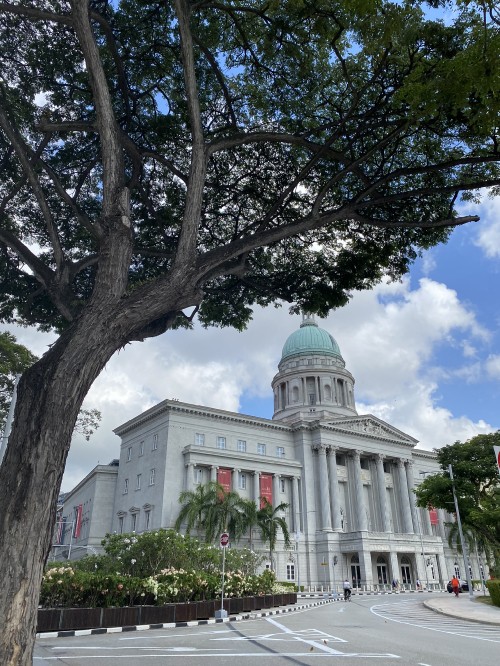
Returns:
<point x="425" y="354"/>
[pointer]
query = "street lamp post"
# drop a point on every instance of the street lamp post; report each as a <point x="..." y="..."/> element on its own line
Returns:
<point x="422" y="547"/>
<point x="297" y="540"/>
<point x="460" y="531"/>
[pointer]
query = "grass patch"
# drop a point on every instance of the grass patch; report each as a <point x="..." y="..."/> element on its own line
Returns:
<point x="485" y="600"/>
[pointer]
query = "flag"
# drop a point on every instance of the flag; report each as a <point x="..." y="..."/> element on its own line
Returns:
<point x="78" y="520"/>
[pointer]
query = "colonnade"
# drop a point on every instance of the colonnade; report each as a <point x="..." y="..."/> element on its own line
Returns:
<point x="295" y="525"/>
<point x="329" y="494"/>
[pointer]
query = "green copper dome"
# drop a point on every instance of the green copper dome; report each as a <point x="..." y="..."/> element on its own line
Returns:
<point x="310" y="339"/>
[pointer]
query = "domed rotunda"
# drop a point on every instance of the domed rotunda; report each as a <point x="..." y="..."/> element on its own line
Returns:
<point x="312" y="382"/>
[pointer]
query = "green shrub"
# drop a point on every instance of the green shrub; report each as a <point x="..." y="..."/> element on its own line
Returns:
<point x="494" y="590"/>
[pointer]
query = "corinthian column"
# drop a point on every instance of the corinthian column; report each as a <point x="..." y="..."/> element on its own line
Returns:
<point x="296" y="506"/>
<point x="256" y="489"/>
<point x="382" y="493"/>
<point x="358" y="486"/>
<point x="334" y="489"/>
<point x="404" y="498"/>
<point x="326" y="521"/>
<point x="410" y="479"/>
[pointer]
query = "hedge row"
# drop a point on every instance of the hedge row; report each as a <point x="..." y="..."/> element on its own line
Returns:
<point x="494" y="590"/>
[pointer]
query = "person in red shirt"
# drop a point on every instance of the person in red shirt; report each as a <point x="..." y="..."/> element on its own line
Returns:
<point x="455" y="583"/>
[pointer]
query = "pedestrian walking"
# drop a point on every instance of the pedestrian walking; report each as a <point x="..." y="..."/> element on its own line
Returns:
<point x="455" y="583"/>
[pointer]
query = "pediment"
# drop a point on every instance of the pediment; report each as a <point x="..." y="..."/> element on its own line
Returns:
<point x="371" y="426"/>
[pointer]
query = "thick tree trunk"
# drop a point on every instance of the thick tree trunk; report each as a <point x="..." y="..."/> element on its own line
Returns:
<point x="50" y="395"/>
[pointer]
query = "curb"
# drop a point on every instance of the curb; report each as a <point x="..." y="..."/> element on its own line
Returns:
<point x="174" y="625"/>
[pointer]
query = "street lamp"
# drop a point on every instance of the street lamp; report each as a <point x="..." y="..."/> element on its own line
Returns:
<point x="297" y="540"/>
<point x="422" y="547"/>
<point x="462" y="540"/>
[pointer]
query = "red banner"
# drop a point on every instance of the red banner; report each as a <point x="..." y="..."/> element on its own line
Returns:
<point x="224" y="478"/>
<point x="433" y="515"/>
<point x="78" y="520"/>
<point x="266" y="489"/>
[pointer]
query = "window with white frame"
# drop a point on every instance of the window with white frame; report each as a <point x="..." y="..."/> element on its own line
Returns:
<point x="152" y="474"/>
<point x="120" y="524"/>
<point x="125" y="486"/>
<point x="242" y="481"/>
<point x="141" y="448"/>
<point x="290" y="571"/>
<point x="198" y="475"/>
<point x="155" y="441"/>
<point x="199" y="439"/>
<point x="147" y="519"/>
<point x="282" y="485"/>
<point x="241" y="445"/>
<point x="221" y="442"/>
<point x="261" y="449"/>
<point x="129" y="454"/>
<point x="133" y="522"/>
<point x="138" y="482"/>
<point x="280" y="451"/>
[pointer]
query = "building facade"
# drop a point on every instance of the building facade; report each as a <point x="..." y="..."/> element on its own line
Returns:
<point x="348" y="479"/>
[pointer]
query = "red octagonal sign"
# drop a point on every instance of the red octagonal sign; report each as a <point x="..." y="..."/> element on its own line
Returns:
<point x="224" y="539"/>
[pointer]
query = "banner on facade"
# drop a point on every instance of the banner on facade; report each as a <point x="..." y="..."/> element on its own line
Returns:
<point x="224" y="478"/>
<point x="266" y="489"/>
<point x="497" y="456"/>
<point x="78" y="520"/>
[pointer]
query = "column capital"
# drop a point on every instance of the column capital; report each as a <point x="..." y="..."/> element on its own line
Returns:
<point x="332" y="450"/>
<point x="355" y="454"/>
<point x="379" y="457"/>
<point x="410" y="463"/>
<point x="320" y="448"/>
<point x="400" y="463"/>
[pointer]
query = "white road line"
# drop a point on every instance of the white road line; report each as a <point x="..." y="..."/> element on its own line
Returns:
<point x="252" y="655"/>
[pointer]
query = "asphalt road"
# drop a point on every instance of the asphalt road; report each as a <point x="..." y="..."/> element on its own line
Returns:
<point x="386" y="630"/>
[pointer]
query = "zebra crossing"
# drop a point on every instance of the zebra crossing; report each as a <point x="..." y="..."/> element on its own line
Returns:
<point x="414" y="613"/>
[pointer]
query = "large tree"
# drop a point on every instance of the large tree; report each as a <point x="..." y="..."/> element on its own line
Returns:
<point x="477" y="488"/>
<point x="161" y="160"/>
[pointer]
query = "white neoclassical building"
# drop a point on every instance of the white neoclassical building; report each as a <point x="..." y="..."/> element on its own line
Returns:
<point x="348" y="479"/>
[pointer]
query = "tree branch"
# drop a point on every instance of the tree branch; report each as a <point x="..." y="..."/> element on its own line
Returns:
<point x="22" y="10"/>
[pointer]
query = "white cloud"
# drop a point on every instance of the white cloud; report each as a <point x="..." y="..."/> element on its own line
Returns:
<point x="488" y="230"/>
<point x="493" y="366"/>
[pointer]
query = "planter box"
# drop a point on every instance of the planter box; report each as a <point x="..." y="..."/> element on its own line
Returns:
<point x="186" y="612"/>
<point x="206" y="609"/>
<point x="268" y="601"/>
<point x="248" y="604"/>
<point x="48" y="619"/>
<point x="127" y="616"/>
<point x="80" y="618"/>
<point x="157" y="614"/>
<point x="235" y="605"/>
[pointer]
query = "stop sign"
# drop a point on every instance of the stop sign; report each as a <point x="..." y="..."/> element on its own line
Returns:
<point x="224" y="539"/>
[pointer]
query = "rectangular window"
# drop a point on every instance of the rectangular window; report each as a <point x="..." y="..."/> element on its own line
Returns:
<point x="241" y="445"/>
<point x="198" y="475"/>
<point x="282" y="485"/>
<point x="133" y="521"/>
<point x="152" y="477"/>
<point x="147" y="519"/>
<point x="242" y="481"/>
<point x="120" y="525"/>
<point x="199" y="439"/>
<point x="261" y="449"/>
<point x="141" y="448"/>
<point x="129" y="454"/>
<point x="155" y="442"/>
<point x="125" y="487"/>
<point x="280" y="451"/>
<point x="221" y="442"/>
<point x="138" y="482"/>
<point x="290" y="571"/>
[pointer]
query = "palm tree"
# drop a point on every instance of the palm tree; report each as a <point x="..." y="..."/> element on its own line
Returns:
<point x="251" y="513"/>
<point x="270" y="521"/>
<point x="212" y="510"/>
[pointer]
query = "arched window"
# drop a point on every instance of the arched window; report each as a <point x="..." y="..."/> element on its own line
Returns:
<point x="295" y="394"/>
<point x="328" y="392"/>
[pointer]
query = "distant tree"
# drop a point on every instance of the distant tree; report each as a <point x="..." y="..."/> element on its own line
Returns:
<point x="270" y="522"/>
<point x="477" y="486"/>
<point x="162" y="160"/>
<point x="14" y="360"/>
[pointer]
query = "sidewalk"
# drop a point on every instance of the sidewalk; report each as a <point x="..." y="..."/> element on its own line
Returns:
<point x="464" y="608"/>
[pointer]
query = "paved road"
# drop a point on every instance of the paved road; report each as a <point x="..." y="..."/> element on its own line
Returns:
<point x="388" y="631"/>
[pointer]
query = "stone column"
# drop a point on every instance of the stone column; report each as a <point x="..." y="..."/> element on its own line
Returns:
<point x="426" y="522"/>
<point x="334" y="489"/>
<point x="296" y="504"/>
<point x="382" y="493"/>
<point x="326" y="521"/>
<point x="189" y="481"/>
<point x="276" y="489"/>
<point x="213" y="473"/>
<point x="442" y="528"/>
<point x="404" y="498"/>
<point x="410" y="480"/>
<point x="256" y="489"/>
<point x="235" y="478"/>
<point x="444" y="576"/>
<point x="395" y="573"/>
<point x="362" y="525"/>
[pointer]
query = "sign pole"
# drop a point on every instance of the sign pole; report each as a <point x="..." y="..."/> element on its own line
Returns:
<point x="224" y="541"/>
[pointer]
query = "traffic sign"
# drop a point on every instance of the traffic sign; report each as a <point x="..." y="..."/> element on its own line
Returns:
<point x="224" y="539"/>
<point x="497" y="456"/>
